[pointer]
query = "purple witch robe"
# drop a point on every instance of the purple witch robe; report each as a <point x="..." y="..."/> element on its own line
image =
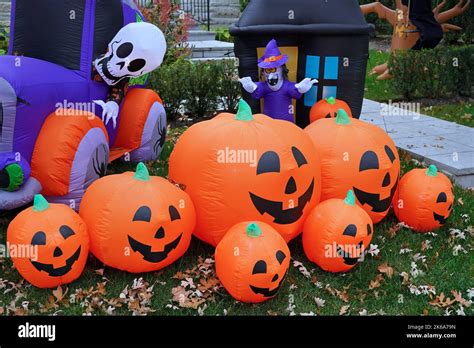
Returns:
<point x="277" y="103"/>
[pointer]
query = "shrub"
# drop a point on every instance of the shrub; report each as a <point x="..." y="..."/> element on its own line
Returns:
<point x="197" y="89"/>
<point x="444" y="72"/>
<point x="174" y="23"/>
<point x="4" y="37"/>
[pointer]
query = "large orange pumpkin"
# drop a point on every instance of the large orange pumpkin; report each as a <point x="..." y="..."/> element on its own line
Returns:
<point x="328" y="108"/>
<point x="48" y="244"/>
<point x="137" y="222"/>
<point x="252" y="261"/>
<point x="424" y="199"/>
<point x="357" y="156"/>
<point x="336" y="234"/>
<point x="243" y="167"/>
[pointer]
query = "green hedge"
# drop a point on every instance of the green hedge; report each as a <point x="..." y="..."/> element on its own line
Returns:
<point x="197" y="89"/>
<point x="444" y="72"/>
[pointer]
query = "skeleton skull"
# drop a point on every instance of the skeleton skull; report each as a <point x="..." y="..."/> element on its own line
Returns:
<point x="137" y="49"/>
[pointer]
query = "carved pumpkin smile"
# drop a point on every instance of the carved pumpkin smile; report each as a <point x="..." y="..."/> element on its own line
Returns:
<point x="266" y="292"/>
<point x="347" y="257"/>
<point x="153" y="256"/>
<point x="275" y="209"/>
<point x="373" y="199"/>
<point x="60" y="271"/>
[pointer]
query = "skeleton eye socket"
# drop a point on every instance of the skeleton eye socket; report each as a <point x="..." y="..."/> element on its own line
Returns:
<point x="124" y="50"/>
<point x="136" y="65"/>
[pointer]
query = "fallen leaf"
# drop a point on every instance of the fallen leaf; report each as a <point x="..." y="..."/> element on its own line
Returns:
<point x="99" y="271"/>
<point x="386" y="269"/>
<point x="344" y="309"/>
<point x="442" y="301"/>
<point x="460" y="201"/>
<point x="376" y="282"/>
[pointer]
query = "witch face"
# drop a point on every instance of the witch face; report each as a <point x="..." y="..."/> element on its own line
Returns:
<point x="274" y="77"/>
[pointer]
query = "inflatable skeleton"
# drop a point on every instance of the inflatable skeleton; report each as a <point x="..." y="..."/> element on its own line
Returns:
<point x="276" y="90"/>
<point x="137" y="49"/>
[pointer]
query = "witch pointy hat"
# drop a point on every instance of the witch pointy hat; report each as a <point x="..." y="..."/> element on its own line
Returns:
<point x="272" y="57"/>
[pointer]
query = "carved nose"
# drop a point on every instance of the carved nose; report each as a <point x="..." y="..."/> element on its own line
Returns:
<point x="57" y="252"/>
<point x="160" y="233"/>
<point x="386" y="180"/>
<point x="275" y="278"/>
<point x="121" y="65"/>
<point x="290" y="186"/>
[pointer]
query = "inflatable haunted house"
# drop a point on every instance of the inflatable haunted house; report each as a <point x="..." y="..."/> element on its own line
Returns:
<point x="325" y="39"/>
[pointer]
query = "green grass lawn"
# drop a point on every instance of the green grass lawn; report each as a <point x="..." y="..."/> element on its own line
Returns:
<point x="382" y="91"/>
<point x="376" y="286"/>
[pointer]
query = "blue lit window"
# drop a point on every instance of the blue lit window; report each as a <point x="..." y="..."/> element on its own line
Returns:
<point x="327" y="76"/>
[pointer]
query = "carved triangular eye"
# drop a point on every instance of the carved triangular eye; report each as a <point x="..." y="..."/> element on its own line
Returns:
<point x="389" y="153"/>
<point x="369" y="230"/>
<point x="369" y="160"/>
<point x="351" y="230"/>
<point x="280" y="256"/>
<point x="39" y="238"/>
<point x="268" y="163"/>
<point x="299" y="157"/>
<point x="174" y="213"/>
<point x="66" y="231"/>
<point x="143" y="214"/>
<point x="442" y="198"/>
<point x="260" y="267"/>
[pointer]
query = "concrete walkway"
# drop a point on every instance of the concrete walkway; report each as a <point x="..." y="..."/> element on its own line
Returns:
<point x="446" y="144"/>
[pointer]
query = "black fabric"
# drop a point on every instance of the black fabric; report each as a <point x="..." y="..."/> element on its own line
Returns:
<point x="422" y="17"/>
<point x="50" y="30"/>
<point x="108" y="21"/>
<point x="319" y="28"/>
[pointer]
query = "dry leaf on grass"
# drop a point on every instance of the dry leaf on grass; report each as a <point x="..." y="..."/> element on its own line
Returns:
<point x="386" y="269"/>
<point x="441" y="301"/>
<point x="344" y="309"/>
<point x="376" y="282"/>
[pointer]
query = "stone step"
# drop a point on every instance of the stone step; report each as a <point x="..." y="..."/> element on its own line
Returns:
<point x="201" y="35"/>
<point x="223" y="21"/>
<point x="211" y="49"/>
<point x="445" y="144"/>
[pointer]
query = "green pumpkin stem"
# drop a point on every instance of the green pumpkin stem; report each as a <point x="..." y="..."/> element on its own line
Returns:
<point x="342" y="117"/>
<point x="142" y="172"/>
<point x="331" y="100"/>
<point x="244" y="112"/>
<point x="432" y="170"/>
<point x="40" y="203"/>
<point x="253" y="230"/>
<point x="350" y="198"/>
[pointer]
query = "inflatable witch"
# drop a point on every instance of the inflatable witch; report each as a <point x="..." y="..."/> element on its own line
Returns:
<point x="276" y="90"/>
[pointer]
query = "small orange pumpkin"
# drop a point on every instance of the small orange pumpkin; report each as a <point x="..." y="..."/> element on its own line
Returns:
<point x="328" y="108"/>
<point x="336" y="234"/>
<point x="48" y="244"/>
<point x="252" y="261"/>
<point x="356" y="155"/>
<point x="424" y="199"/>
<point x="247" y="167"/>
<point x="137" y="222"/>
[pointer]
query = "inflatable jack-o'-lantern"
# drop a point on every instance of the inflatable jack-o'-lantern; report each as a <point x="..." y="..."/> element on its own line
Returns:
<point x="328" y="108"/>
<point x="357" y="156"/>
<point x="424" y="199"/>
<point x="252" y="261"/>
<point x="48" y="244"/>
<point x="336" y="234"/>
<point x="137" y="222"/>
<point x="247" y="167"/>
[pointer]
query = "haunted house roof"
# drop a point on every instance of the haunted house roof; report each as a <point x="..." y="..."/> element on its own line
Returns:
<point x="331" y="17"/>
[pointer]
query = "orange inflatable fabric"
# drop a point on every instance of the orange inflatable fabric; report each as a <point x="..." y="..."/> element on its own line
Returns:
<point x="328" y="108"/>
<point x="247" y="167"/>
<point x="356" y="155"/>
<point x="252" y="261"/>
<point x="424" y="199"/>
<point x="48" y="244"/>
<point x="137" y="222"/>
<point x="337" y="233"/>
